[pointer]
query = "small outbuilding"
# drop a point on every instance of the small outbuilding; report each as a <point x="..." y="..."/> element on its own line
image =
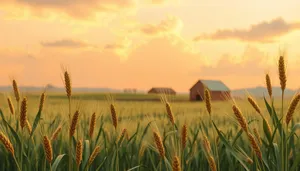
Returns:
<point x="218" y="90"/>
<point x="162" y="90"/>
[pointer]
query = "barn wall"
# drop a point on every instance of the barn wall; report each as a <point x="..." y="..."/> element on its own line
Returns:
<point x="219" y="95"/>
<point x="215" y="95"/>
<point x="194" y="91"/>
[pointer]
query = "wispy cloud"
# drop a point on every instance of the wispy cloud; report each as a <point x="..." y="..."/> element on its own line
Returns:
<point x="75" y="9"/>
<point x="67" y="43"/>
<point x="169" y="25"/>
<point x="263" y="32"/>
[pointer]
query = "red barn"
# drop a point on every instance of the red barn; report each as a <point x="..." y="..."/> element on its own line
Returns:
<point x="218" y="90"/>
<point x="161" y="90"/>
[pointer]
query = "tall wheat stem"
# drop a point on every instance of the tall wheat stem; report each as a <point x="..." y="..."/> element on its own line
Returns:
<point x="70" y="139"/>
<point x="282" y="132"/>
<point x="16" y="163"/>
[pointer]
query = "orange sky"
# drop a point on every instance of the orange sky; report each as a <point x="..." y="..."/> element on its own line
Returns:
<point x="145" y="43"/>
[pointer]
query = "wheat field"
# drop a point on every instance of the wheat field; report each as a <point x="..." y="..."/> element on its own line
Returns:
<point x="46" y="131"/>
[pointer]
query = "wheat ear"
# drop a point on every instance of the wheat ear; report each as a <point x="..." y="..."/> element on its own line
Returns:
<point x="23" y="113"/>
<point x="74" y="123"/>
<point x="48" y="149"/>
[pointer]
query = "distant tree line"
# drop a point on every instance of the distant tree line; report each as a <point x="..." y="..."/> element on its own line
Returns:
<point x="130" y="90"/>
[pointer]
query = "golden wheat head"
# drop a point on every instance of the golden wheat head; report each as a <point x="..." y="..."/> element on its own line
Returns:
<point x="28" y="126"/>
<point x="122" y="135"/>
<point x="282" y="73"/>
<point x="254" y="146"/>
<point x="68" y="84"/>
<point x="23" y="113"/>
<point x="257" y="136"/>
<point x="94" y="155"/>
<point x="254" y="105"/>
<point x="212" y="163"/>
<point x="74" y="123"/>
<point x="207" y="100"/>
<point x="42" y="101"/>
<point x="239" y="116"/>
<point x="79" y="152"/>
<point x="170" y="113"/>
<point x="55" y="133"/>
<point x="269" y="85"/>
<point x="114" y="115"/>
<point x="48" y="149"/>
<point x="11" y="106"/>
<point x="8" y="145"/>
<point x="92" y="125"/>
<point x="16" y="90"/>
<point x="206" y="144"/>
<point x="292" y="108"/>
<point x="176" y="164"/>
<point x="159" y="144"/>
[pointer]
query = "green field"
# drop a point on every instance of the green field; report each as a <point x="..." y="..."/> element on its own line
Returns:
<point x="144" y="132"/>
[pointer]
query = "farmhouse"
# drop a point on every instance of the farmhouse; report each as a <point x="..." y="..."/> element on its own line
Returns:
<point x="161" y="90"/>
<point x="218" y="90"/>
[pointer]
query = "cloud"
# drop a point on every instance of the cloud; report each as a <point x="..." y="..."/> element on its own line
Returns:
<point x="252" y="62"/>
<point x="171" y="25"/>
<point x="76" y="9"/>
<point x="66" y="43"/>
<point x="263" y="32"/>
<point x="122" y="48"/>
<point x="139" y="34"/>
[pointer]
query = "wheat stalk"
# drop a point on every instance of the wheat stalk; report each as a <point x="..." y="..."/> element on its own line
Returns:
<point x="257" y="136"/>
<point x="292" y="108"/>
<point x="79" y="151"/>
<point x="16" y="90"/>
<point x="282" y="73"/>
<point x="159" y="144"/>
<point x="8" y="145"/>
<point x="170" y="113"/>
<point x="68" y="84"/>
<point x="114" y="116"/>
<point x="142" y="150"/>
<point x="183" y="136"/>
<point x="55" y="133"/>
<point x="92" y="125"/>
<point x="206" y="144"/>
<point x="94" y="155"/>
<point x="48" y="149"/>
<point x="269" y="85"/>
<point x="122" y="135"/>
<point x="74" y="123"/>
<point x="249" y="160"/>
<point x="207" y="98"/>
<point x="42" y="101"/>
<point x="254" y="105"/>
<point x="176" y="164"/>
<point x="11" y="106"/>
<point x="28" y="126"/>
<point x="239" y="116"/>
<point x="23" y="113"/>
<point x="254" y="146"/>
<point x="212" y="163"/>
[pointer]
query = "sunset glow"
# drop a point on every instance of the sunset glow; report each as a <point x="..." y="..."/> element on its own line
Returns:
<point x="148" y="43"/>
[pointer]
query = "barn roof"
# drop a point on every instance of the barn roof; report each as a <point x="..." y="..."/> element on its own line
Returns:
<point x="215" y="85"/>
<point x="162" y="90"/>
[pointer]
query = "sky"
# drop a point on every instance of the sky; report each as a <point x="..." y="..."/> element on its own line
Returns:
<point x="148" y="43"/>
